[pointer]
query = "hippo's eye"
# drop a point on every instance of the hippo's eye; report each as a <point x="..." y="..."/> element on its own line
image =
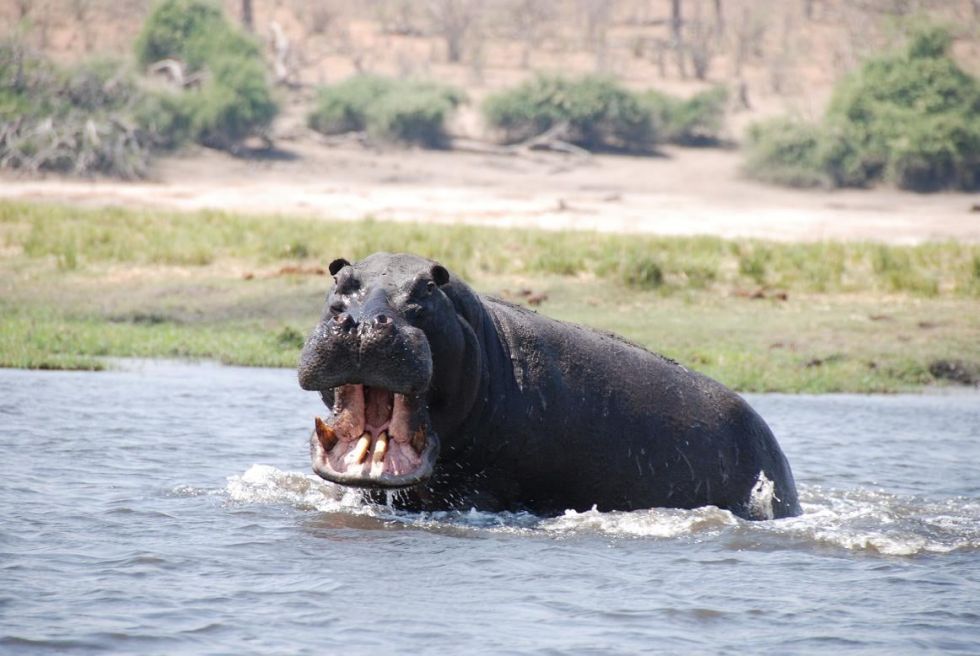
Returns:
<point x="422" y="289"/>
<point x="346" y="284"/>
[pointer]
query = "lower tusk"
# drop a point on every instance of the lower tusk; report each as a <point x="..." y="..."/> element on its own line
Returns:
<point x="418" y="441"/>
<point x="380" y="447"/>
<point x="360" y="449"/>
<point x="325" y="434"/>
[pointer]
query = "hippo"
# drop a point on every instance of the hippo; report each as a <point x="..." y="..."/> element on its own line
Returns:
<point x="457" y="401"/>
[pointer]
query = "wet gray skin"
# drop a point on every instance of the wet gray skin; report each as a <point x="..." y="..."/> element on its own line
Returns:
<point x="466" y="401"/>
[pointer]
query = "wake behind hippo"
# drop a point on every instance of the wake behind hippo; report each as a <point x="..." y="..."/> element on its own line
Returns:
<point x="465" y="401"/>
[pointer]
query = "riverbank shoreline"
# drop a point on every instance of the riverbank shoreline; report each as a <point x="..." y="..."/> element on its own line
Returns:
<point x="80" y="284"/>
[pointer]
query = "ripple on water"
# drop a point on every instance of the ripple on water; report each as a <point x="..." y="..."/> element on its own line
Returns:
<point x="855" y="520"/>
<point x="108" y="546"/>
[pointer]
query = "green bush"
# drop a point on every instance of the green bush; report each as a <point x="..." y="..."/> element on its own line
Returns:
<point x="785" y="151"/>
<point x="26" y="81"/>
<point x="418" y="116"/>
<point x="233" y="105"/>
<point x="909" y="118"/>
<point x="409" y="111"/>
<point x="193" y="31"/>
<point x="78" y="120"/>
<point x="695" y="121"/>
<point x="167" y="116"/>
<point x="343" y="107"/>
<point x="233" y="102"/>
<point x="598" y="111"/>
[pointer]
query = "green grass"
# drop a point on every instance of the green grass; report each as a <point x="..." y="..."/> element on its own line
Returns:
<point x="75" y="238"/>
<point x="77" y="285"/>
<point x="49" y="340"/>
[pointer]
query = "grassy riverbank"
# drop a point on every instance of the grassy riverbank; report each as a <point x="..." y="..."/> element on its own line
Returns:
<point x="77" y="284"/>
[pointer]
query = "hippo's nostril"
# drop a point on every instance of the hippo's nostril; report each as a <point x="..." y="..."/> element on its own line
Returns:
<point x="345" y="320"/>
<point x="382" y="319"/>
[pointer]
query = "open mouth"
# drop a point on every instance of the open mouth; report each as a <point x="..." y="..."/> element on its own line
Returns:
<point x="374" y="438"/>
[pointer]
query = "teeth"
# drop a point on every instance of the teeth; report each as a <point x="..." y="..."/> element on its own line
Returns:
<point x="360" y="449"/>
<point x="325" y="434"/>
<point x="418" y="440"/>
<point x="378" y="455"/>
<point x="380" y="446"/>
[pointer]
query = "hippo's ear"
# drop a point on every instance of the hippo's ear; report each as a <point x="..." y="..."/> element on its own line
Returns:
<point x="440" y="275"/>
<point x="337" y="265"/>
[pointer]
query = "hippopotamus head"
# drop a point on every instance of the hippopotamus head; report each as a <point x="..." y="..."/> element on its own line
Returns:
<point x="386" y="359"/>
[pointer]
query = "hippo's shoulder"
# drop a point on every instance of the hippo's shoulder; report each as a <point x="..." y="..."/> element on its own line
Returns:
<point x="521" y="322"/>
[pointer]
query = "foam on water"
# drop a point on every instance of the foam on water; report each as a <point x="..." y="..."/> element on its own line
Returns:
<point x="652" y="523"/>
<point x="855" y="520"/>
<point x="885" y="523"/>
<point x="761" y="498"/>
<point x="267" y="485"/>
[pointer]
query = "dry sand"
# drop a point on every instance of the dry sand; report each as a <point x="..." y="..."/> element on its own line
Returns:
<point x="684" y="192"/>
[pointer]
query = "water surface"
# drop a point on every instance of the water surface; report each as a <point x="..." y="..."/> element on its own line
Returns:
<point x="167" y="508"/>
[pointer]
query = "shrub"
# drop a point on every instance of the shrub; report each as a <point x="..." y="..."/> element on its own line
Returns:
<point x="167" y="116"/>
<point x="642" y="271"/>
<point x="696" y="121"/>
<point x="907" y="117"/>
<point x="193" y="31"/>
<point x="409" y="111"/>
<point x="598" y="111"/>
<point x="785" y="151"/>
<point x="939" y="152"/>
<point x="417" y="116"/>
<point x="233" y="105"/>
<point x="234" y="101"/>
<point x="77" y="120"/>
<point x="343" y="107"/>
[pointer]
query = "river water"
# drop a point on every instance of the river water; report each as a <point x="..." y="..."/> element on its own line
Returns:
<point x="166" y="509"/>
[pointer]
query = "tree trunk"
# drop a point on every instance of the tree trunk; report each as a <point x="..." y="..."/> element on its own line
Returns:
<point x="247" y="15"/>
<point x="675" y="20"/>
<point x="676" y="35"/>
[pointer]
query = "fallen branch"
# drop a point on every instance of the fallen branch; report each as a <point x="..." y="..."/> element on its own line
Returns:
<point x="554" y="139"/>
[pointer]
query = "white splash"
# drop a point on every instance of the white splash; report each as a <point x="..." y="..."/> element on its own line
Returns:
<point x="655" y="523"/>
<point x="854" y="520"/>
<point x="891" y="525"/>
<point x="761" y="497"/>
<point x="266" y="484"/>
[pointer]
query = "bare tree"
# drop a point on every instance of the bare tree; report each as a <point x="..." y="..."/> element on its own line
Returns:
<point x="747" y="33"/>
<point x="677" y="35"/>
<point x="782" y="65"/>
<point x="24" y="8"/>
<point x="81" y="11"/>
<point x="396" y="17"/>
<point x="530" y="20"/>
<point x="702" y="42"/>
<point x="281" y="54"/>
<point x="453" y="20"/>
<point x="247" y="19"/>
<point x="597" y="16"/>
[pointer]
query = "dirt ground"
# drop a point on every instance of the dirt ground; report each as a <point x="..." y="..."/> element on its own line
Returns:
<point x="792" y="65"/>
<point x="684" y="192"/>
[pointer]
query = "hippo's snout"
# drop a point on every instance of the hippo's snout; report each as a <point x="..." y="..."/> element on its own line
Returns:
<point x="380" y="351"/>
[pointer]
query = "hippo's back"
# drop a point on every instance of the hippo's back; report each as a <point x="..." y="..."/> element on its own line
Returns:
<point x="624" y="428"/>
